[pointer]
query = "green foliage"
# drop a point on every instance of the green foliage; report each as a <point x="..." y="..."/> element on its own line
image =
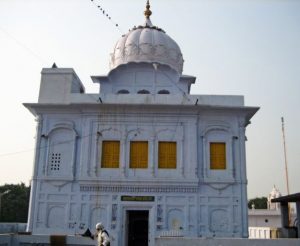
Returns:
<point x="259" y="203"/>
<point x="14" y="205"/>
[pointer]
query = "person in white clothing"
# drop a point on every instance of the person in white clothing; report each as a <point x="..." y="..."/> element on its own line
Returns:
<point x="102" y="235"/>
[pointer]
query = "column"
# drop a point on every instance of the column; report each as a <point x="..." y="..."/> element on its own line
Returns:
<point x="181" y="165"/>
<point x="284" y="207"/>
<point x="298" y="217"/>
<point x="204" y="158"/>
<point x="96" y="154"/>
<point x="243" y="175"/>
<point x="32" y="214"/>
<point x="152" y="155"/>
<point x="123" y="156"/>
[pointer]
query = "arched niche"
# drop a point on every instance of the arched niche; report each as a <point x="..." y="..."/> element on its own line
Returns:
<point x="175" y="218"/>
<point x="218" y="133"/>
<point x="61" y="151"/>
<point x="218" y="221"/>
<point x="98" y="214"/>
<point x="56" y="216"/>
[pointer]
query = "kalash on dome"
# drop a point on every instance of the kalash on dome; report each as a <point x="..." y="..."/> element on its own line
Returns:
<point x="143" y="156"/>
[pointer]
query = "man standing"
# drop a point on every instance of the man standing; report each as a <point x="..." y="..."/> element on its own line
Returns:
<point x="102" y="235"/>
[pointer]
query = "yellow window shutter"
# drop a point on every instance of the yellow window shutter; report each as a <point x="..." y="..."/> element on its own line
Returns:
<point x="167" y="155"/>
<point x="110" y="154"/>
<point x="138" y="154"/>
<point x="218" y="156"/>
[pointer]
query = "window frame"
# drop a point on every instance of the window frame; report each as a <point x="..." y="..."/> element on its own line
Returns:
<point x="219" y="133"/>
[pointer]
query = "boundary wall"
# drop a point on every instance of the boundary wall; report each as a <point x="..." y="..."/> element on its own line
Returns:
<point x="225" y="242"/>
<point x="46" y="240"/>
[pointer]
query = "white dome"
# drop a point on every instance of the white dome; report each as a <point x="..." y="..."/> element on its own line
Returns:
<point x="275" y="193"/>
<point x="147" y="43"/>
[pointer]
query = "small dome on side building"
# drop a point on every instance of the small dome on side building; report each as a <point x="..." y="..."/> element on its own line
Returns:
<point x="275" y="193"/>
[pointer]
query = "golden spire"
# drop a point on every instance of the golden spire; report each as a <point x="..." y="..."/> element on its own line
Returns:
<point x="147" y="12"/>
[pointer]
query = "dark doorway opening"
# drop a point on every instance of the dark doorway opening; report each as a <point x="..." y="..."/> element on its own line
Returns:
<point x="138" y="226"/>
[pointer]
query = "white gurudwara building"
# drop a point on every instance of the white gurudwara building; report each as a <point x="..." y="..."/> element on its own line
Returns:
<point x="142" y="156"/>
<point x="264" y="223"/>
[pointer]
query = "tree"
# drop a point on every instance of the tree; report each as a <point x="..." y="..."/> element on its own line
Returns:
<point x="14" y="205"/>
<point x="259" y="203"/>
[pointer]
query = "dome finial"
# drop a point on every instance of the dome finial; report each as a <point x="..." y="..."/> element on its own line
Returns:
<point x="147" y="12"/>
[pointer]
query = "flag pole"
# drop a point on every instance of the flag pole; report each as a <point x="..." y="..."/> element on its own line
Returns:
<point x="285" y="157"/>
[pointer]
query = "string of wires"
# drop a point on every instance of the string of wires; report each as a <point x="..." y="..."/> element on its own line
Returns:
<point x="46" y="145"/>
<point x="105" y="13"/>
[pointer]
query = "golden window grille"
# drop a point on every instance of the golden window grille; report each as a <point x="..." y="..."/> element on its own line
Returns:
<point x="110" y="154"/>
<point x="138" y="154"/>
<point x="167" y="155"/>
<point x="217" y="156"/>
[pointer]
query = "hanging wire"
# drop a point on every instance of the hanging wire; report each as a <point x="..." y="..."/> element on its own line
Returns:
<point x="44" y="147"/>
<point x="37" y="57"/>
<point x="22" y="45"/>
<point x="105" y="14"/>
<point x="42" y="61"/>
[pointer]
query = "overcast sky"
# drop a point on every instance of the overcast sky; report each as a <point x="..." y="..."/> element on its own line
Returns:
<point x="249" y="48"/>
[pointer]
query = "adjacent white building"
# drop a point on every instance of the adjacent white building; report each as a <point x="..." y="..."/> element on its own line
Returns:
<point x="142" y="156"/>
<point x="266" y="223"/>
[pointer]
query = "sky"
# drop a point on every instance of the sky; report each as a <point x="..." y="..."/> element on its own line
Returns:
<point x="233" y="47"/>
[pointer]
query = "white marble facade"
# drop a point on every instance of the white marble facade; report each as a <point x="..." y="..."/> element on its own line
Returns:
<point x="143" y="99"/>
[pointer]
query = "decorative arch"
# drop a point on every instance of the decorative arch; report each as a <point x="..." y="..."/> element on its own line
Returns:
<point x="218" y="220"/>
<point x="134" y="133"/>
<point x="61" y="150"/>
<point x="56" y="215"/>
<point x="217" y="126"/>
<point x="165" y="131"/>
<point x="67" y="126"/>
<point x="218" y="135"/>
<point x="110" y="131"/>
<point x="175" y="218"/>
<point x="98" y="214"/>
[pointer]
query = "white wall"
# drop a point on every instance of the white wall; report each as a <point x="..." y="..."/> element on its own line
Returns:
<point x="225" y="242"/>
<point x="16" y="240"/>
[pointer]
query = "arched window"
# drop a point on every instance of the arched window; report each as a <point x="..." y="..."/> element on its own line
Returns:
<point x="163" y="92"/>
<point x="218" y="140"/>
<point x="123" y="92"/>
<point x="143" y="92"/>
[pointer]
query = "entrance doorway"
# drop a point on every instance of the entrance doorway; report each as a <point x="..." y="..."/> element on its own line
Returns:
<point x="138" y="227"/>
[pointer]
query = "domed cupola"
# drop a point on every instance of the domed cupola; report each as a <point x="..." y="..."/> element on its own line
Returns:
<point x="147" y="44"/>
<point x="275" y="193"/>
